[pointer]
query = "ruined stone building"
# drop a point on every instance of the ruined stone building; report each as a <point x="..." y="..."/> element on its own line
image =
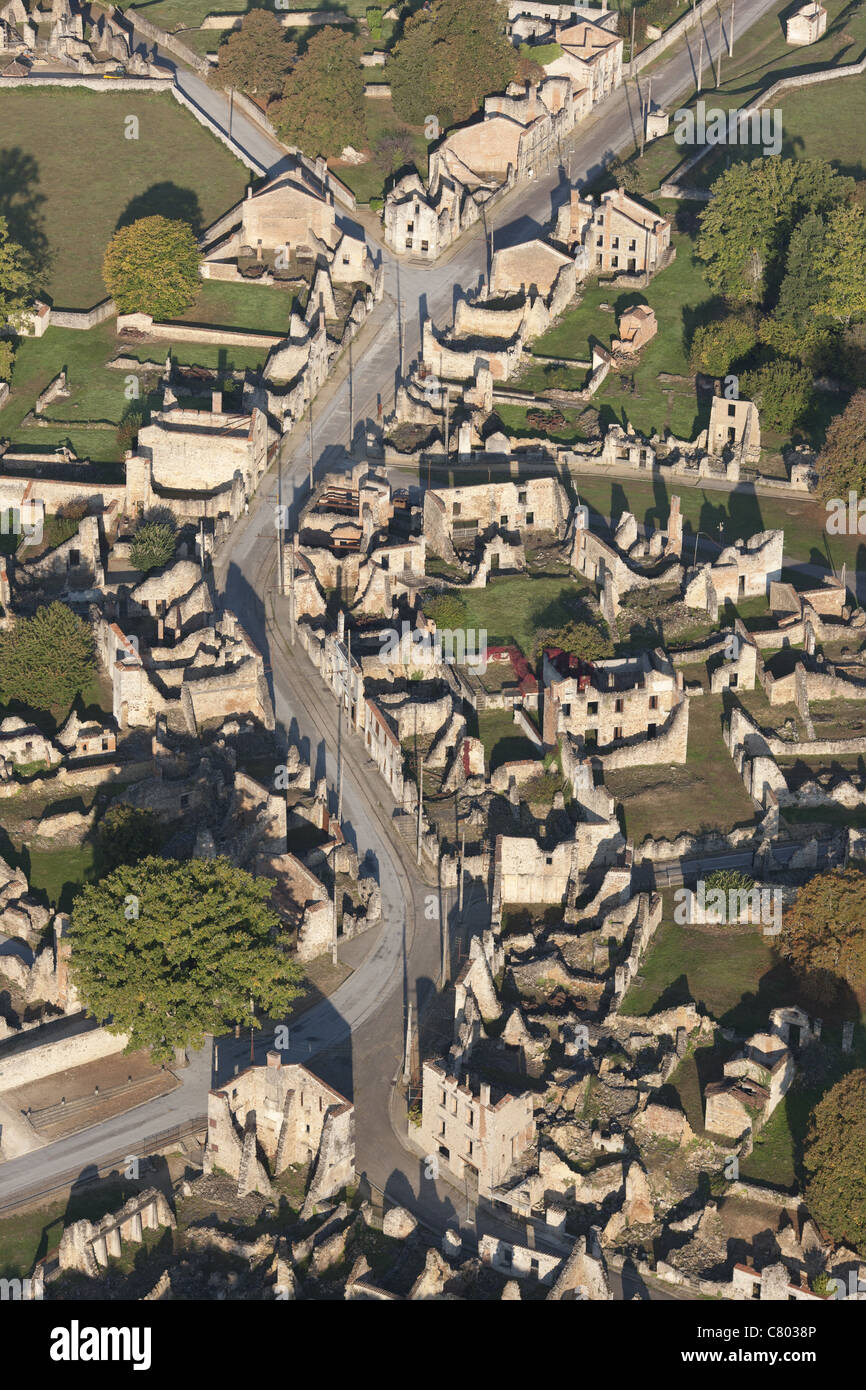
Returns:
<point x="198" y="463"/>
<point x="616" y="234"/>
<point x="608" y="702"/>
<point x="456" y="518"/>
<point x="480" y="1140"/>
<point x="269" y="1117"/>
<point x="734" y="425"/>
<point x="591" y="56"/>
<point x="743" y="570"/>
<point x="806" y="25"/>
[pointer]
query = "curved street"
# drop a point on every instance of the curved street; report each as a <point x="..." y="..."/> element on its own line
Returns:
<point x="356" y="1036"/>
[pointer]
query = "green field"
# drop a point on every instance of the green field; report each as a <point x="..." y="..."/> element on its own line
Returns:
<point x="65" y="211"/>
<point x="514" y="608"/>
<point x="705" y="793"/>
<point x="761" y="58"/>
<point x="734" y="976"/>
<point x="368" y="180"/>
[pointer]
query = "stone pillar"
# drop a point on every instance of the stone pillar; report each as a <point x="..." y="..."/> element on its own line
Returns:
<point x="99" y="1250"/>
<point x="112" y="1241"/>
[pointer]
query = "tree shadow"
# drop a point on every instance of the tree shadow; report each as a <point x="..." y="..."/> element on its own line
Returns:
<point x="165" y="199"/>
<point x="21" y="204"/>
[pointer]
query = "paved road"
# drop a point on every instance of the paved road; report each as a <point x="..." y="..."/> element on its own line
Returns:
<point x="356" y="1036"/>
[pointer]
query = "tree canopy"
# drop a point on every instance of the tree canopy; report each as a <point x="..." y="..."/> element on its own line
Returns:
<point x="824" y="938"/>
<point x="448" y="59"/>
<point x="322" y="107"/>
<point x="46" y="660"/>
<point x="255" y="58"/>
<point x="125" y="835"/>
<point x="152" y="267"/>
<point x="782" y="391"/>
<point x="842" y="460"/>
<point x="746" y="227"/>
<point x="586" y="640"/>
<point x="834" y="1161"/>
<point x="152" y="545"/>
<point x="719" y="345"/>
<point x="170" y="951"/>
<point x="17" y="291"/>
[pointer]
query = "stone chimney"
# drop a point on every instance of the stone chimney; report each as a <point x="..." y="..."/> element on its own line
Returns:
<point x="485" y="1093"/>
<point x="274" y="1061"/>
<point x="216" y="402"/>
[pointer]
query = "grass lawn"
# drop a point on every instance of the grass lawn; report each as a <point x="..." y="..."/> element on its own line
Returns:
<point x="262" y="308"/>
<point x="706" y="793"/>
<point x="763" y="58"/>
<point x="368" y="180"/>
<point x="175" y="167"/>
<point x="513" y="609"/>
<point x="742" y="513"/>
<point x="503" y="741"/>
<point x="98" y="391"/>
<point x="735" y="976"/>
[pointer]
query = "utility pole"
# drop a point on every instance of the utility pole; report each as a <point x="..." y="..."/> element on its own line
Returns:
<point x="348" y="681"/>
<point x="311" y="442"/>
<point x="731" y="33"/>
<point x="407" y="1057"/>
<point x="334" y="960"/>
<point x="420" y="794"/>
<point x="447" y="421"/>
<point x="292" y="592"/>
<point x="281" y="572"/>
<point x="701" y="59"/>
<point x="631" y="46"/>
<point x="461" y="876"/>
<point x="719" y="55"/>
<point x="643" y="115"/>
<point x="252" y="1021"/>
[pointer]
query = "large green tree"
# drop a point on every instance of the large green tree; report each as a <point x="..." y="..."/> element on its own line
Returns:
<point x="717" y="346"/>
<point x="804" y="286"/>
<point x="842" y="460"/>
<point x="152" y="267"/>
<point x="824" y="936"/>
<point x="16" y="293"/>
<point x="782" y="391"/>
<point x="587" y="640"/>
<point x="170" y="951"/>
<point x="840" y="264"/>
<point x="46" y="660"/>
<point x="255" y="58"/>
<point x="834" y="1160"/>
<point x="448" y="59"/>
<point x="322" y="107"/>
<point x="746" y="227"/>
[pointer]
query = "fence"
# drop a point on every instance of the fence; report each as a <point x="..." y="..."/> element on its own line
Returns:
<point x="65" y="1182"/>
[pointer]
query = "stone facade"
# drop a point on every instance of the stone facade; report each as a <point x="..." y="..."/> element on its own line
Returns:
<point x="478" y="1139"/>
<point x="616" y="234"/>
<point x="279" y="1115"/>
<point x="734" y="425"/>
<point x="806" y="25"/>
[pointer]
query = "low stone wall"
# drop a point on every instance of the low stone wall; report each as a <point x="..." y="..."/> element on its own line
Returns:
<point x="82" y="318"/>
<point x="22" y="1065"/>
<point x="93" y="84"/>
<point x="194" y="333"/>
